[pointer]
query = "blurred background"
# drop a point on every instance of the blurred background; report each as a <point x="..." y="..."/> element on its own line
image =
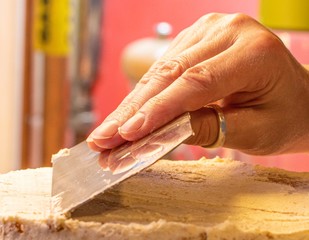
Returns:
<point x="65" y="65"/>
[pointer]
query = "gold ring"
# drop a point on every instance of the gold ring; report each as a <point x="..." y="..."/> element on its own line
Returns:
<point x="222" y="127"/>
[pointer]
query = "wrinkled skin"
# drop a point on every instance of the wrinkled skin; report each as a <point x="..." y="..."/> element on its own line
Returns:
<point x="234" y="61"/>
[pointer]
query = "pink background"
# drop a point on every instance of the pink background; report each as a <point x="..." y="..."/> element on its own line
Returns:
<point x="127" y="20"/>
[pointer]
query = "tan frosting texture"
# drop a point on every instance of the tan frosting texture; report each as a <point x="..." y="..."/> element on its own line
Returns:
<point x="205" y="199"/>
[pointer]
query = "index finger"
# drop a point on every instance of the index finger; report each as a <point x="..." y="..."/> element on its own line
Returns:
<point x="233" y="70"/>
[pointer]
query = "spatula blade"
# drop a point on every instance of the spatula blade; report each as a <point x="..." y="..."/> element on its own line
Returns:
<point x="78" y="177"/>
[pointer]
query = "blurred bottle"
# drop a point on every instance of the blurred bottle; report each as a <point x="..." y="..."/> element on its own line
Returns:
<point x="139" y="55"/>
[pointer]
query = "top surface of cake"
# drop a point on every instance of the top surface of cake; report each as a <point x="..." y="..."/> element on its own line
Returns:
<point x="212" y="194"/>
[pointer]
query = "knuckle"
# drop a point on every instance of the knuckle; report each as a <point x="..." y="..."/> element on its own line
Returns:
<point x="202" y="82"/>
<point x="238" y="19"/>
<point x="132" y="108"/>
<point x="159" y="111"/>
<point x="200" y="77"/>
<point x="267" y="42"/>
<point x="144" y="80"/>
<point x="181" y="62"/>
<point x="174" y="65"/>
<point x="209" y="18"/>
<point x="126" y="110"/>
<point x="168" y="70"/>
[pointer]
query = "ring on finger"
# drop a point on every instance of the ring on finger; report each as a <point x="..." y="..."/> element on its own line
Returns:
<point x="222" y="126"/>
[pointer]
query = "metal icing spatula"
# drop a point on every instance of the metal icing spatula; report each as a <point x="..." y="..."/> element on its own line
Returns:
<point x="78" y="177"/>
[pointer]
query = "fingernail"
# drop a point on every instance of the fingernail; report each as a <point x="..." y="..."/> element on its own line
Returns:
<point x="105" y="130"/>
<point x="133" y="124"/>
<point x="110" y="143"/>
<point x="92" y="145"/>
<point x="89" y="139"/>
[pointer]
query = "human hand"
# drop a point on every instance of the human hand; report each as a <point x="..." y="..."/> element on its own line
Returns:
<point x="231" y="60"/>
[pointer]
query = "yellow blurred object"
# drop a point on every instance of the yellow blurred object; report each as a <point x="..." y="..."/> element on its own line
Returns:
<point x="285" y="14"/>
<point x="51" y="22"/>
<point x="139" y="55"/>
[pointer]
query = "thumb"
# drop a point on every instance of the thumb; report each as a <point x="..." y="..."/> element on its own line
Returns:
<point x="205" y="126"/>
<point x="247" y="129"/>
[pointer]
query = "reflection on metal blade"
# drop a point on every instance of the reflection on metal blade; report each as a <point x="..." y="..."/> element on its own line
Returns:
<point x="78" y="177"/>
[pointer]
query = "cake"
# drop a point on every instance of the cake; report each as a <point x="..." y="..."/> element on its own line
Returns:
<point x="204" y="199"/>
